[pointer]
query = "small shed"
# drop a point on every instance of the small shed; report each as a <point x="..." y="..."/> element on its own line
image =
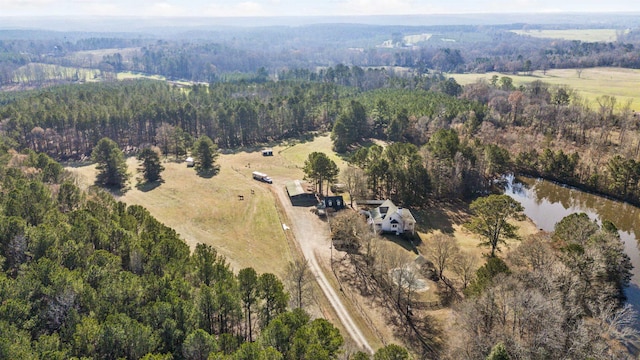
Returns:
<point x="267" y="152"/>
<point x="299" y="193"/>
<point x="190" y="162"/>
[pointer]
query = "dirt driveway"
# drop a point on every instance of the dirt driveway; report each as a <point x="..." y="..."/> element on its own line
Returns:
<point x="313" y="238"/>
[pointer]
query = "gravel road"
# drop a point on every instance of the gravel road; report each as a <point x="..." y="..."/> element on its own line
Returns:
<point x="313" y="238"/>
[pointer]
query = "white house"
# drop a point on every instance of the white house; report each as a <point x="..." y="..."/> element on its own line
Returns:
<point x="389" y="218"/>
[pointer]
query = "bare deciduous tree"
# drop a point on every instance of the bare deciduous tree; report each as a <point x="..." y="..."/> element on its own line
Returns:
<point x="355" y="180"/>
<point x="534" y="253"/>
<point x="465" y="266"/>
<point x="349" y="230"/>
<point x="299" y="279"/>
<point x="442" y="250"/>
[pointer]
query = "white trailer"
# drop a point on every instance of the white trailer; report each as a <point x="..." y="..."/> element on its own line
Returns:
<point x="262" y="177"/>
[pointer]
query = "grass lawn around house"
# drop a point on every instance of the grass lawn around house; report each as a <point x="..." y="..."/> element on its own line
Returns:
<point x="450" y="218"/>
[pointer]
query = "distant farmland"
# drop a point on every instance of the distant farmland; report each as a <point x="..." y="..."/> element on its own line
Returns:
<point x="589" y="84"/>
<point x="586" y="35"/>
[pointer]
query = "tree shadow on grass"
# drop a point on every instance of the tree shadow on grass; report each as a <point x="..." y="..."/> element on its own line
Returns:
<point x="148" y="186"/>
<point x="113" y="190"/>
<point x="208" y="173"/>
<point x="407" y="242"/>
<point x="173" y="159"/>
<point x="442" y="216"/>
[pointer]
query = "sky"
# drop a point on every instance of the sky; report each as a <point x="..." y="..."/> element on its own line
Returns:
<point x="229" y="8"/>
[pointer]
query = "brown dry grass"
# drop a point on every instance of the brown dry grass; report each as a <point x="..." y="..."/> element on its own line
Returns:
<point x="208" y="210"/>
<point x="449" y="218"/>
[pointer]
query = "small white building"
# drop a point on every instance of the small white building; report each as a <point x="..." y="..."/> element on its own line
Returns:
<point x="190" y="162"/>
<point x="389" y="218"/>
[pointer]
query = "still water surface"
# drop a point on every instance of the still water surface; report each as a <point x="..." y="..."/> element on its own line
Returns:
<point x="546" y="203"/>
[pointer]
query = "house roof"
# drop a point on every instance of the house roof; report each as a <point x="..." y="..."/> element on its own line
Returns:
<point x="388" y="208"/>
<point x="407" y="216"/>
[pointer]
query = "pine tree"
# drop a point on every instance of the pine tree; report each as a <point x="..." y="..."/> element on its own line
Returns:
<point x="111" y="164"/>
<point x="205" y="152"/>
<point x="150" y="165"/>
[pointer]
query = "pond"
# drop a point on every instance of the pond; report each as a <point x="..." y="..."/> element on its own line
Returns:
<point x="546" y="203"/>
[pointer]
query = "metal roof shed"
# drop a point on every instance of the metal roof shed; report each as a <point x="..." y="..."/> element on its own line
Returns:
<point x="299" y="195"/>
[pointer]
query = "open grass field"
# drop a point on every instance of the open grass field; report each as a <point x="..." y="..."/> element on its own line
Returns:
<point x="208" y="210"/>
<point x="413" y="39"/>
<point x="297" y="153"/>
<point x="589" y="85"/>
<point x="586" y="35"/>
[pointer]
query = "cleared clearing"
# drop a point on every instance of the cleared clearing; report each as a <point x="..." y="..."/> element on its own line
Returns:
<point x="96" y="55"/>
<point x="128" y="75"/>
<point x="589" y="84"/>
<point x="247" y="232"/>
<point x="413" y="39"/>
<point x="39" y="72"/>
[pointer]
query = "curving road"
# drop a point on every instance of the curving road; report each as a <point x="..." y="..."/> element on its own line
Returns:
<point x="313" y="238"/>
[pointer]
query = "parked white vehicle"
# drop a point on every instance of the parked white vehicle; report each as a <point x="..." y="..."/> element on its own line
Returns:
<point x="262" y="177"/>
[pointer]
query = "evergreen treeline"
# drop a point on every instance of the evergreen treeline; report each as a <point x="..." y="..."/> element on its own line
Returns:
<point x="84" y="276"/>
<point x="67" y="121"/>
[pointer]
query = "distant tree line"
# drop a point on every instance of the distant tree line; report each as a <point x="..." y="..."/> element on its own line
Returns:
<point x="193" y="56"/>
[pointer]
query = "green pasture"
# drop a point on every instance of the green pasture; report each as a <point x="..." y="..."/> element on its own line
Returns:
<point x="589" y="84"/>
<point x="298" y="152"/>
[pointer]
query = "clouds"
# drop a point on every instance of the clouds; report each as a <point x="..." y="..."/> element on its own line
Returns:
<point x="226" y="8"/>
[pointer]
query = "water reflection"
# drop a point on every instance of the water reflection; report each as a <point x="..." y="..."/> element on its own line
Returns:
<point x="546" y="203"/>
